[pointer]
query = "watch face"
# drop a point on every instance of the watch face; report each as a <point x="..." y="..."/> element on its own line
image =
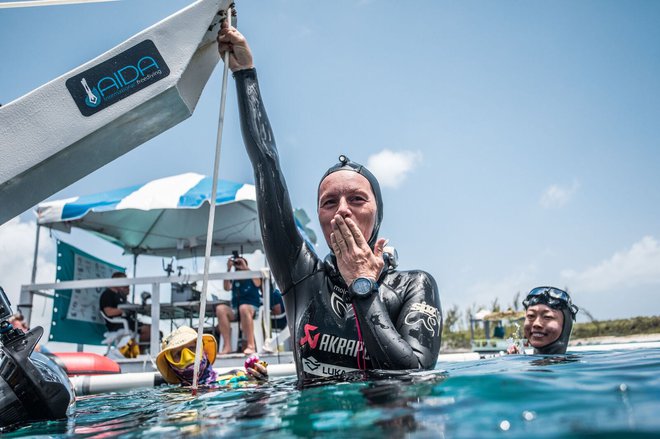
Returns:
<point x="361" y="285"/>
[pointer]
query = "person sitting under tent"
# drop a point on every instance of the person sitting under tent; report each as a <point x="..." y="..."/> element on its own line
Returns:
<point x="109" y="303"/>
<point x="176" y="362"/>
<point x="245" y="302"/>
<point x="549" y="317"/>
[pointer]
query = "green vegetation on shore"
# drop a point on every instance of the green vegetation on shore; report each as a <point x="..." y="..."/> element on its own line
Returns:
<point x="617" y="328"/>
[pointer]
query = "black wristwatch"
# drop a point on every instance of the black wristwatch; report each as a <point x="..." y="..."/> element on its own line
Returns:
<point x="361" y="288"/>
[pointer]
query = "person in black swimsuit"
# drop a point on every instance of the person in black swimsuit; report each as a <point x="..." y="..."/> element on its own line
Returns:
<point x="353" y="310"/>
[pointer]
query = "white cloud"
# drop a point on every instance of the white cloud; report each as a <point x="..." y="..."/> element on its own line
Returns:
<point x="557" y="196"/>
<point x="635" y="267"/>
<point x="624" y="285"/>
<point x="391" y="167"/>
<point x="16" y="253"/>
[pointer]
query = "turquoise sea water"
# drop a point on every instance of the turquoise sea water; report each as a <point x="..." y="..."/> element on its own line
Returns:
<point x="597" y="394"/>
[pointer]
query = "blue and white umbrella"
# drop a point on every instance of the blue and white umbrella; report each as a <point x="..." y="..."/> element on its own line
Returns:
<point x="165" y="217"/>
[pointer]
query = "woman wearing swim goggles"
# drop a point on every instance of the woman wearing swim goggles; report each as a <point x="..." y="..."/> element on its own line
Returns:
<point x="551" y="296"/>
<point x="549" y="316"/>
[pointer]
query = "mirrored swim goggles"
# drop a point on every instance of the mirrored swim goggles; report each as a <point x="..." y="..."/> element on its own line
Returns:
<point x="551" y="296"/>
<point x="186" y="358"/>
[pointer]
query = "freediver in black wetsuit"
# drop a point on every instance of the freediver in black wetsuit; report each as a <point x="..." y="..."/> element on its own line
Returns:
<point x="549" y="317"/>
<point x="399" y="319"/>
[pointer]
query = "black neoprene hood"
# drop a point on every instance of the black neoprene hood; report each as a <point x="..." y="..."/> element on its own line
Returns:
<point x="345" y="164"/>
<point x="560" y="345"/>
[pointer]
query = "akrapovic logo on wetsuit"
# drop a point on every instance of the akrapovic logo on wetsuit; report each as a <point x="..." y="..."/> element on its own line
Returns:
<point x="331" y="343"/>
<point x="117" y="78"/>
<point x="341" y="345"/>
<point x="309" y="338"/>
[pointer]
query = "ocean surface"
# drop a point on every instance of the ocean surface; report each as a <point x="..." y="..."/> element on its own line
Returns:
<point x="613" y="394"/>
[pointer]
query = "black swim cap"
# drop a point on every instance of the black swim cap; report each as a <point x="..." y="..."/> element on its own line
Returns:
<point x="345" y="164"/>
<point x="561" y="301"/>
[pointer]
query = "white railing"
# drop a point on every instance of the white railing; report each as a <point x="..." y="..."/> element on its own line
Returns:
<point x="30" y="290"/>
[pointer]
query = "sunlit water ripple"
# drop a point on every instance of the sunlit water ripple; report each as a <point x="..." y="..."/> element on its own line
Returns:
<point x="600" y="394"/>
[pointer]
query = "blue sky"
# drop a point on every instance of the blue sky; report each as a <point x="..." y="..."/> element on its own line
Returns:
<point x="517" y="142"/>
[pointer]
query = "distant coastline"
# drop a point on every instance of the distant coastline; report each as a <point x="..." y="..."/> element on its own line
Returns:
<point x="620" y="328"/>
<point x="610" y="339"/>
<point x="632" y="330"/>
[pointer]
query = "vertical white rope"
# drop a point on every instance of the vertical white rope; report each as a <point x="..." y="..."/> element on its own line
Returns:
<point x="209" y="230"/>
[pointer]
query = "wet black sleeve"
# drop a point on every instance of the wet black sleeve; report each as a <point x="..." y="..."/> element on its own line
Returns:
<point x="413" y="340"/>
<point x="284" y="247"/>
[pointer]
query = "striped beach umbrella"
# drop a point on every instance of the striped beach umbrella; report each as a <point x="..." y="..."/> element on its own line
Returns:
<point x="166" y="217"/>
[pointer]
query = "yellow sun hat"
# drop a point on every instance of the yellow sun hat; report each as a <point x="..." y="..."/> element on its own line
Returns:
<point x="178" y="338"/>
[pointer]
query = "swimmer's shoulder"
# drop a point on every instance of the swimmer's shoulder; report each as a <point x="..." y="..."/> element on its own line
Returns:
<point x="403" y="279"/>
<point x="411" y="283"/>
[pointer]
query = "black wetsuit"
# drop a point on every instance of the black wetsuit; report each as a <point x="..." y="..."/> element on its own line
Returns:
<point x="401" y="325"/>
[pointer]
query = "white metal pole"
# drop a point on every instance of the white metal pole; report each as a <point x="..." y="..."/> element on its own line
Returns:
<point x="26" y="298"/>
<point x="135" y="256"/>
<point x="267" y="286"/>
<point x="155" y="320"/>
<point x="209" y="230"/>
<point x="36" y="254"/>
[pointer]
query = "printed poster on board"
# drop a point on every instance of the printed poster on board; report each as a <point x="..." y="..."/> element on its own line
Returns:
<point x="76" y="317"/>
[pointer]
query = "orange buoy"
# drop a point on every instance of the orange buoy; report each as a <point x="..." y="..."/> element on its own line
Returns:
<point x="85" y="363"/>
